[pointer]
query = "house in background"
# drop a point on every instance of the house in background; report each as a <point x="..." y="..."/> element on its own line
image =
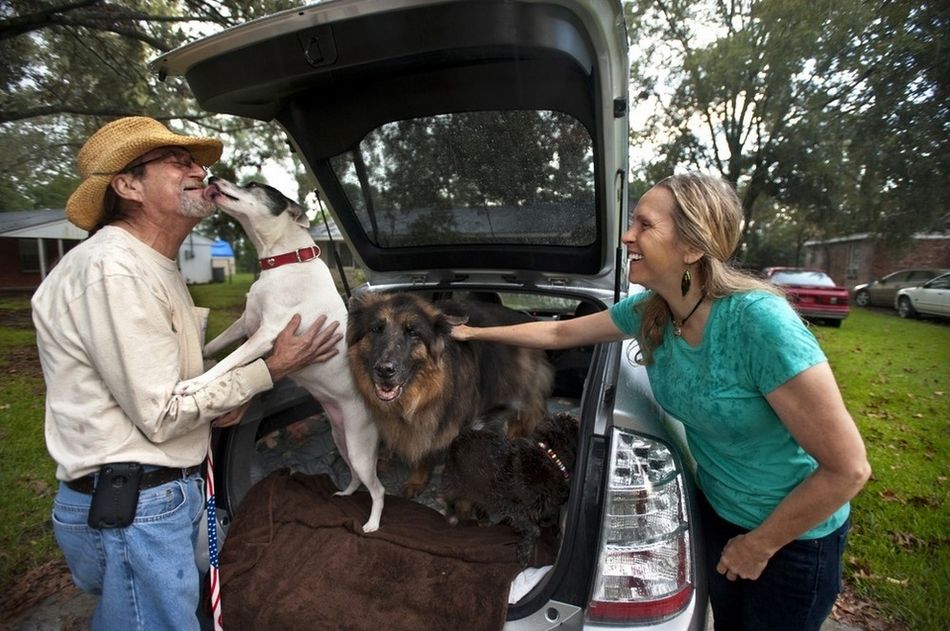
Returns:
<point x="223" y="265"/>
<point x="327" y="240"/>
<point x="194" y="259"/>
<point x="859" y="258"/>
<point x="33" y="241"/>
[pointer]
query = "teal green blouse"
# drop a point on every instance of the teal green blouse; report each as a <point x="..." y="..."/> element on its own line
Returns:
<point x="747" y="460"/>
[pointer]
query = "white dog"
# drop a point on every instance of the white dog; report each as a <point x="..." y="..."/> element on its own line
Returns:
<point x="294" y="280"/>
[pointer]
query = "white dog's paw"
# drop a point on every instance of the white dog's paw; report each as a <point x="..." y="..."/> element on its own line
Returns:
<point x="371" y="526"/>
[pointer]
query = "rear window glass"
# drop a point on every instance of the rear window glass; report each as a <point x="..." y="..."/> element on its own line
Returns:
<point x="518" y="177"/>
<point x="816" y="279"/>
<point x="897" y="277"/>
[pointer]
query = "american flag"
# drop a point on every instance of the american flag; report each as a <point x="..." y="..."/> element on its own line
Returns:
<point x="213" y="573"/>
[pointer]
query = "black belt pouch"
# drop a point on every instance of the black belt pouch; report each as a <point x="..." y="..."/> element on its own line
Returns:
<point x="116" y="496"/>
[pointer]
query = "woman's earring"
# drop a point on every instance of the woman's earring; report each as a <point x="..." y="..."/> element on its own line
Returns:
<point x="686" y="282"/>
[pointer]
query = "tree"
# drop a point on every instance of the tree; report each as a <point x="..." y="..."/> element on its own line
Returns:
<point x="814" y="108"/>
<point x="899" y="146"/>
<point x="70" y="66"/>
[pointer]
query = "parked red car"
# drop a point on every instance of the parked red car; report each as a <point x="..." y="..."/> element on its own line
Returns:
<point x="813" y="293"/>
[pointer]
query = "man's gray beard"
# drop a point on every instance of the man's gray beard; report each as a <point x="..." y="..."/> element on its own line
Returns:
<point x="196" y="208"/>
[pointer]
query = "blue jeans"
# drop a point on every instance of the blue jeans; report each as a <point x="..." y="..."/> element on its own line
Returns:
<point x="145" y="573"/>
<point x="795" y="592"/>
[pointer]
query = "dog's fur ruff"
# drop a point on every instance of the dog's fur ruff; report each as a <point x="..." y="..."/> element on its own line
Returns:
<point x="277" y="225"/>
<point x="513" y="480"/>
<point x="425" y="387"/>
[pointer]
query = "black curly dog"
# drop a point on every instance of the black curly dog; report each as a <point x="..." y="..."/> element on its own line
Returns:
<point x="522" y="481"/>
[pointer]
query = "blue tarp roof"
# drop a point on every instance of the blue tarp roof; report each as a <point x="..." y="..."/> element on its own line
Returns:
<point x="221" y="248"/>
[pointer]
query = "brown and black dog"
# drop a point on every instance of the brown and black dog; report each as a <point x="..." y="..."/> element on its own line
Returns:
<point x="423" y="387"/>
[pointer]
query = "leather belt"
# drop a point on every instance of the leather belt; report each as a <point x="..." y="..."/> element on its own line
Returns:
<point x="149" y="479"/>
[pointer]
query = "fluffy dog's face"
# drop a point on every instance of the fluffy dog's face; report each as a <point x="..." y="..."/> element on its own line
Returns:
<point x="398" y="338"/>
<point x="252" y="201"/>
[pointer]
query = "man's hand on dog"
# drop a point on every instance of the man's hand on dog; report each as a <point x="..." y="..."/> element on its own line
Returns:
<point x="231" y="418"/>
<point x="293" y="352"/>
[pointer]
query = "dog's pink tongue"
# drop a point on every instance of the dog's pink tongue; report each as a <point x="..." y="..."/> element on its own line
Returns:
<point x="388" y="394"/>
<point x="211" y="190"/>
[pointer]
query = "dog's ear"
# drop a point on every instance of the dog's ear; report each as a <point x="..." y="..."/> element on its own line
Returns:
<point x="361" y="301"/>
<point x="298" y="214"/>
<point x="354" y="331"/>
<point x="455" y="320"/>
<point x="442" y="325"/>
<point x="358" y="314"/>
<point x="355" y="325"/>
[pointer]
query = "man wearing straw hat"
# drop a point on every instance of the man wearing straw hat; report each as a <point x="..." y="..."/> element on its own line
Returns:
<point x="116" y="331"/>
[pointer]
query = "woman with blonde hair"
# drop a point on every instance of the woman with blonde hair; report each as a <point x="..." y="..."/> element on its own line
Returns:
<point x="778" y="455"/>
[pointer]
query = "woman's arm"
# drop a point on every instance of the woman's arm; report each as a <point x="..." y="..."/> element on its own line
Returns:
<point x="547" y="334"/>
<point x="811" y="407"/>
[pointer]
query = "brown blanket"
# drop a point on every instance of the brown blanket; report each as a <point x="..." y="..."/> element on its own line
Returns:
<point x="296" y="558"/>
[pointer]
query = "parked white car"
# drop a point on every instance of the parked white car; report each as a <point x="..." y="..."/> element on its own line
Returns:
<point x="932" y="298"/>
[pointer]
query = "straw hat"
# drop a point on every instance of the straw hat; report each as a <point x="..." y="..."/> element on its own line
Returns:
<point x="112" y="148"/>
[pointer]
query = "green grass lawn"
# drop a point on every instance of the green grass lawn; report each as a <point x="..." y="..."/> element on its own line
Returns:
<point x="895" y="376"/>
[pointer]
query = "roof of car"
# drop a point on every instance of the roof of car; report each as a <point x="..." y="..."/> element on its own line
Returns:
<point x="770" y="270"/>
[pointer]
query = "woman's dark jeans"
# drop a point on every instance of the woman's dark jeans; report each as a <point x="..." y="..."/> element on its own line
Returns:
<point x="795" y="592"/>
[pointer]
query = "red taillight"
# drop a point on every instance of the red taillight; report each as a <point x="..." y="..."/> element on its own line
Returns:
<point x="644" y="570"/>
<point x="613" y="611"/>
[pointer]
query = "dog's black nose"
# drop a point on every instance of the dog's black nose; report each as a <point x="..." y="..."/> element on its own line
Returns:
<point x="213" y="179"/>
<point x="385" y="370"/>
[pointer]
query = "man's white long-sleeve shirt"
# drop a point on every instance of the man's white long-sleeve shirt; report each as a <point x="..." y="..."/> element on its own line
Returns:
<point x="116" y="330"/>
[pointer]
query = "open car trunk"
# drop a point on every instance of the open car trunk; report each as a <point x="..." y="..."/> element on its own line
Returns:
<point x="286" y="428"/>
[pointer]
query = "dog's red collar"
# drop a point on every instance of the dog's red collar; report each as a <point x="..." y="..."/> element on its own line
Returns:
<point x="553" y="456"/>
<point x="297" y="256"/>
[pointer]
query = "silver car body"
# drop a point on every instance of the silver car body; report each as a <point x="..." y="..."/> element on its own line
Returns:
<point x="931" y="298"/>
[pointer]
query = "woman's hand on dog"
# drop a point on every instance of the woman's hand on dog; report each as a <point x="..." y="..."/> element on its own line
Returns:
<point x="461" y="332"/>
<point x="293" y="352"/>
